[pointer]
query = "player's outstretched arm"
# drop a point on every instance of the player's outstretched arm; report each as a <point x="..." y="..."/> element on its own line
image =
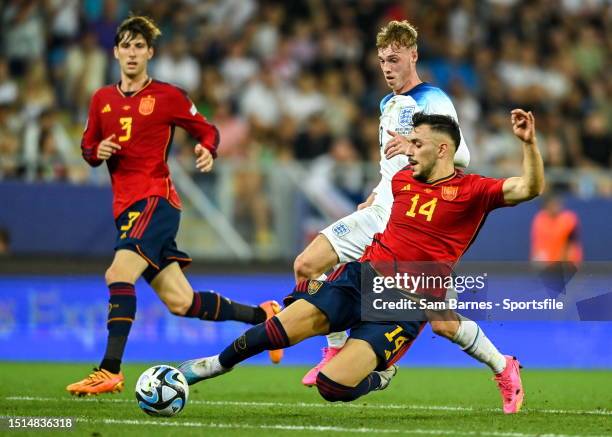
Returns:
<point x="531" y="183"/>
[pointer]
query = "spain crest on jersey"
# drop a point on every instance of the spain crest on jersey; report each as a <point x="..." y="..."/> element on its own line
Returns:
<point x="314" y="286"/>
<point x="405" y="116"/>
<point x="146" y="105"/>
<point x="450" y="192"/>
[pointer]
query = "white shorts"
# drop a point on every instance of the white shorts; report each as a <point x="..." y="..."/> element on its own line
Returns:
<point x="350" y="235"/>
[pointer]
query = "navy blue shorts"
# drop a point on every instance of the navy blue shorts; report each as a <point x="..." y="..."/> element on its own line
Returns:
<point x="339" y="298"/>
<point x="149" y="227"/>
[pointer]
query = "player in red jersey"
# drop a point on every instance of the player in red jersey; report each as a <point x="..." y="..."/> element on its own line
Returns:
<point x="130" y="126"/>
<point x="436" y="214"/>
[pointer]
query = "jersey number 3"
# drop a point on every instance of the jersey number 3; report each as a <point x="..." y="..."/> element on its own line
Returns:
<point x="126" y="126"/>
<point x="426" y="209"/>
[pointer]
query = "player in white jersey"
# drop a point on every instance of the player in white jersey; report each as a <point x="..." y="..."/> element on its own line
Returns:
<point x="346" y="239"/>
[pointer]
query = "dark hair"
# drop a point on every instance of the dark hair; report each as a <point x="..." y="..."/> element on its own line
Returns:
<point x="439" y="123"/>
<point x="137" y="25"/>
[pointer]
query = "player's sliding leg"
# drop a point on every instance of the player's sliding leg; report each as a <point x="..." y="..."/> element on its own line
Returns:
<point x="176" y="292"/>
<point x="472" y="340"/>
<point x="318" y="258"/>
<point x="121" y="276"/>
<point x="295" y="323"/>
<point x="351" y="373"/>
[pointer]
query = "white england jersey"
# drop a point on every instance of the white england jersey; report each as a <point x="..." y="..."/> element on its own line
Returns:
<point x="396" y="115"/>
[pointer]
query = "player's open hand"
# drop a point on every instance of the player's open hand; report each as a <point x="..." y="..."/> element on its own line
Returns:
<point x="523" y="125"/>
<point x="107" y="148"/>
<point x="397" y="145"/>
<point x="204" y="159"/>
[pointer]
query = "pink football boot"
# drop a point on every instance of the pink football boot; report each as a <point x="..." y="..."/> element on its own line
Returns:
<point x="310" y="379"/>
<point x="510" y="385"/>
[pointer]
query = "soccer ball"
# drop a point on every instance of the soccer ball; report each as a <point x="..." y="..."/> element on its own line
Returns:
<point x="162" y="391"/>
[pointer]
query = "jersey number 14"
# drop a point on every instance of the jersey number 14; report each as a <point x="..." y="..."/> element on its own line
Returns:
<point x="426" y="209"/>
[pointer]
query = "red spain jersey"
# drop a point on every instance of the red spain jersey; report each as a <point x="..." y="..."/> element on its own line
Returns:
<point x="436" y="221"/>
<point x="143" y="123"/>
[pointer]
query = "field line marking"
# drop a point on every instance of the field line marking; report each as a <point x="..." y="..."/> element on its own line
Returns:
<point x="317" y="428"/>
<point x="315" y="405"/>
<point x="320" y="428"/>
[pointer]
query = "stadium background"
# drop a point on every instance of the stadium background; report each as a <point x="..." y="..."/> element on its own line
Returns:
<point x="294" y="88"/>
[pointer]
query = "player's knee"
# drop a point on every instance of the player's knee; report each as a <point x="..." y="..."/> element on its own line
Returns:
<point x="331" y="391"/>
<point x="178" y="307"/>
<point x="305" y="268"/>
<point x="118" y="272"/>
<point x="114" y="274"/>
<point x="443" y="328"/>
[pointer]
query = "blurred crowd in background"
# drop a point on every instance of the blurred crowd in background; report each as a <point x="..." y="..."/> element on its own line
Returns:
<point x="299" y="80"/>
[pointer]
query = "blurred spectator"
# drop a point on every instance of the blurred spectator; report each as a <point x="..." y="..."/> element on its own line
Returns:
<point x="596" y="141"/>
<point x="211" y="91"/>
<point x="36" y="91"/>
<point x="175" y="65"/>
<point x="304" y="100"/>
<point x="23" y="33"/>
<point x="555" y="233"/>
<point x="233" y="130"/>
<point x="266" y="32"/>
<point x="238" y="67"/>
<point x="8" y="87"/>
<point x="469" y="113"/>
<point x="261" y="100"/>
<point x="232" y="13"/>
<point x="303" y="44"/>
<point x="588" y="52"/>
<point x="285" y="66"/>
<point x="47" y="148"/>
<point x="64" y="20"/>
<point x="340" y="110"/>
<point x="85" y="72"/>
<point x="251" y="205"/>
<point x="315" y="140"/>
<point x="106" y="25"/>
<point x="336" y="179"/>
<point x="10" y="159"/>
<point x="499" y="147"/>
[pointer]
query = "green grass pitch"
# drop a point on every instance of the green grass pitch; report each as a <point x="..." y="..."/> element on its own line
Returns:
<point x="262" y="401"/>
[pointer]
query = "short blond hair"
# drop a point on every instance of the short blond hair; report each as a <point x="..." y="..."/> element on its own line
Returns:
<point x="397" y="33"/>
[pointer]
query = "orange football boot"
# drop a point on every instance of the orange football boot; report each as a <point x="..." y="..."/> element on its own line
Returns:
<point x="271" y="307"/>
<point x="99" y="381"/>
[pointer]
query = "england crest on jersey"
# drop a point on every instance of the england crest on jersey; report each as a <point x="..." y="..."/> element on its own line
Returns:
<point x="340" y="229"/>
<point x="405" y="116"/>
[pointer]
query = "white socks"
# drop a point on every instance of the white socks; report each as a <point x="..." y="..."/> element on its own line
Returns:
<point x="337" y="339"/>
<point x="475" y="343"/>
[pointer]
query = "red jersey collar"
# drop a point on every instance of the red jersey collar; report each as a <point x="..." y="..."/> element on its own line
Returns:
<point x="147" y="83"/>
